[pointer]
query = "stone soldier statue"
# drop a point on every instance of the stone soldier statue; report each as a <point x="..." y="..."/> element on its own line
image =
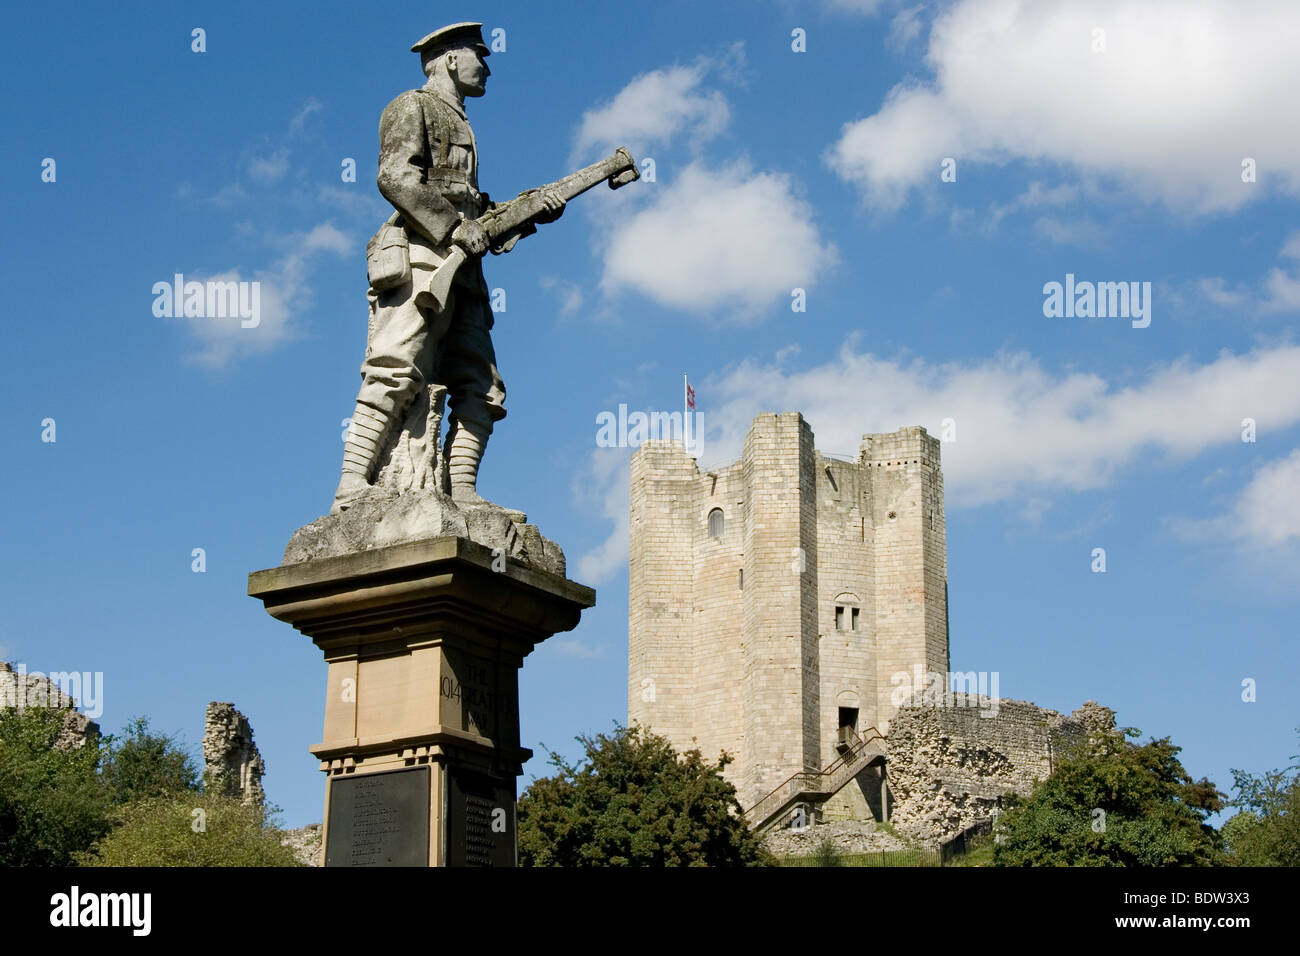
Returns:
<point x="428" y="170"/>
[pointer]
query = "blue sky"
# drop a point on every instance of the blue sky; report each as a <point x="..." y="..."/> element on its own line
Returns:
<point x="1112" y="157"/>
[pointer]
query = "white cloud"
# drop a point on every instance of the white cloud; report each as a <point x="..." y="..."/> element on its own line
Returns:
<point x="1266" y="513"/>
<point x="269" y="169"/>
<point x="573" y="648"/>
<point x="1217" y="291"/>
<point x="1023" y="434"/>
<point x="1069" y="232"/>
<point x="569" y="293"/>
<point x="654" y="109"/>
<point x="865" y="7"/>
<point x="1283" y="291"/>
<point x="1279" y="291"/>
<point x="1019" y="427"/>
<point x="604" y="486"/>
<point x="1036" y="195"/>
<point x="718" y="240"/>
<point x="285" y="294"/>
<point x="311" y="106"/>
<point x="1185" y="90"/>
<point x="362" y="202"/>
<point x="904" y="28"/>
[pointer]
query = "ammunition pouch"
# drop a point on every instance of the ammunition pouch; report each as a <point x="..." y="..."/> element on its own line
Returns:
<point x="388" y="257"/>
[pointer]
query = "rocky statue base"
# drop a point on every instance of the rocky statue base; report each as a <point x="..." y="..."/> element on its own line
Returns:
<point x="424" y="641"/>
<point x="384" y="517"/>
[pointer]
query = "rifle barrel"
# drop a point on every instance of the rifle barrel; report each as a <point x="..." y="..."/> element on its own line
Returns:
<point x="517" y="212"/>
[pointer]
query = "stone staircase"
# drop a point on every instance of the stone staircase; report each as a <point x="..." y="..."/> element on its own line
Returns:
<point x="818" y="786"/>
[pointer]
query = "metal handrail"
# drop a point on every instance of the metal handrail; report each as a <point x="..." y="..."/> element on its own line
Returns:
<point x="813" y="776"/>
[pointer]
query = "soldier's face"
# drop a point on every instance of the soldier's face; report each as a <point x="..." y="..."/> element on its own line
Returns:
<point x="470" y="71"/>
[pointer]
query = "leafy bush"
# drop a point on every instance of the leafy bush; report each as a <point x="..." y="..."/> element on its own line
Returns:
<point x="191" y="829"/>
<point x="1267" y="830"/>
<point x="1114" y="803"/>
<point x="52" y="803"/>
<point x="635" y="802"/>
<point x="141" y="764"/>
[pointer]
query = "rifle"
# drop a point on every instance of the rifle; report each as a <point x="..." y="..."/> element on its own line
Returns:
<point x="507" y="223"/>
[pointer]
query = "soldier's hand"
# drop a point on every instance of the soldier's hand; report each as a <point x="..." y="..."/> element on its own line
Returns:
<point x="471" y="237"/>
<point x="554" y="204"/>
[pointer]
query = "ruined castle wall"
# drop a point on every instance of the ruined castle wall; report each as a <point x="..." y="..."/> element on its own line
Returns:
<point x="949" y="766"/>
<point x="20" y="690"/>
<point x="232" y="764"/>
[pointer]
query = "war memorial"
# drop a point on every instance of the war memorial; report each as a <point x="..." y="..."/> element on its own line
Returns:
<point x="424" y="598"/>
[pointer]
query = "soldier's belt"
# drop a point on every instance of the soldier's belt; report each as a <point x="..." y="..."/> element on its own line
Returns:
<point x="446" y="175"/>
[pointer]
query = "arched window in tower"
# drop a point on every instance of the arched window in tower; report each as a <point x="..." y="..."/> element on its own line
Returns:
<point x="848" y="609"/>
<point x="717" y="524"/>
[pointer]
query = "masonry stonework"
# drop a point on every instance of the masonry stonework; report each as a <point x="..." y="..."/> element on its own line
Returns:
<point x="772" y="600"/>
<point x="950" y="766"/>
<point x="233" y="766"/>
<point x="20" y="690"/>
<point x="781" y="606"/>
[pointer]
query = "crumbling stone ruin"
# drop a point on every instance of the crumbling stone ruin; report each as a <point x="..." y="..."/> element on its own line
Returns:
<point x="305" y="842"/>
<point x="949" y="767"/>
<point x="20" y="690"/>
<point x="233" y="767"/>
<point x="846" y="836"/>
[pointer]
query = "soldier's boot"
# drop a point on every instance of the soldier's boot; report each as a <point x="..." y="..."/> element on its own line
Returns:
<point x="465" y="444"/>
<point x="361" y="450"/>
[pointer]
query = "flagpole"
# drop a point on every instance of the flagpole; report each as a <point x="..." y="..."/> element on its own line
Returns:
<point x="686" y="414"/>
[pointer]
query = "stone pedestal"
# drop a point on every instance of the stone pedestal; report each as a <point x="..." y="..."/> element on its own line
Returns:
<point x="424" y="642"/>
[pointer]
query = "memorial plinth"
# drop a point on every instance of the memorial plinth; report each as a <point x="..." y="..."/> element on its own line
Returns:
<point x="424" y="642"/>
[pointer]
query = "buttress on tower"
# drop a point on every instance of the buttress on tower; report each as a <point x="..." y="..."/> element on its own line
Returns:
<point x="772" y="600"/>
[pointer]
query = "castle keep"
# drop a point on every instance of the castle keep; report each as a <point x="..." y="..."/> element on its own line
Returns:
<point x="790" y="608"/>
<point x="773" y="599"/>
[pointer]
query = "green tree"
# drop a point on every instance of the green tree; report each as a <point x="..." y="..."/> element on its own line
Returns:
<point x="141" y="764"/>
<point x="1266" y="831"/>
<point x="191" y="829"/>
<point x="1114" y="803"/>
<point x="52" y="802"/>
<point x="635" y="802"/>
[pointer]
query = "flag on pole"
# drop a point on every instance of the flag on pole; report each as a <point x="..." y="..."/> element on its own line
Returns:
<point x="688" y="394"/>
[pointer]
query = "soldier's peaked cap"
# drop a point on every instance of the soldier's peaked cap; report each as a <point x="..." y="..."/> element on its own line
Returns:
<point x="458" y="34"/>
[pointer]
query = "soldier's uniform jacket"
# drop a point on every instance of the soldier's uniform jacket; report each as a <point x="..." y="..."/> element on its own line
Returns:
<point x="428" y="170"/>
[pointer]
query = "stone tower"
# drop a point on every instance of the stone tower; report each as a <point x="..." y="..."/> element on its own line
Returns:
<point x="233" y="766"/>
<point x="772" y="600"/>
